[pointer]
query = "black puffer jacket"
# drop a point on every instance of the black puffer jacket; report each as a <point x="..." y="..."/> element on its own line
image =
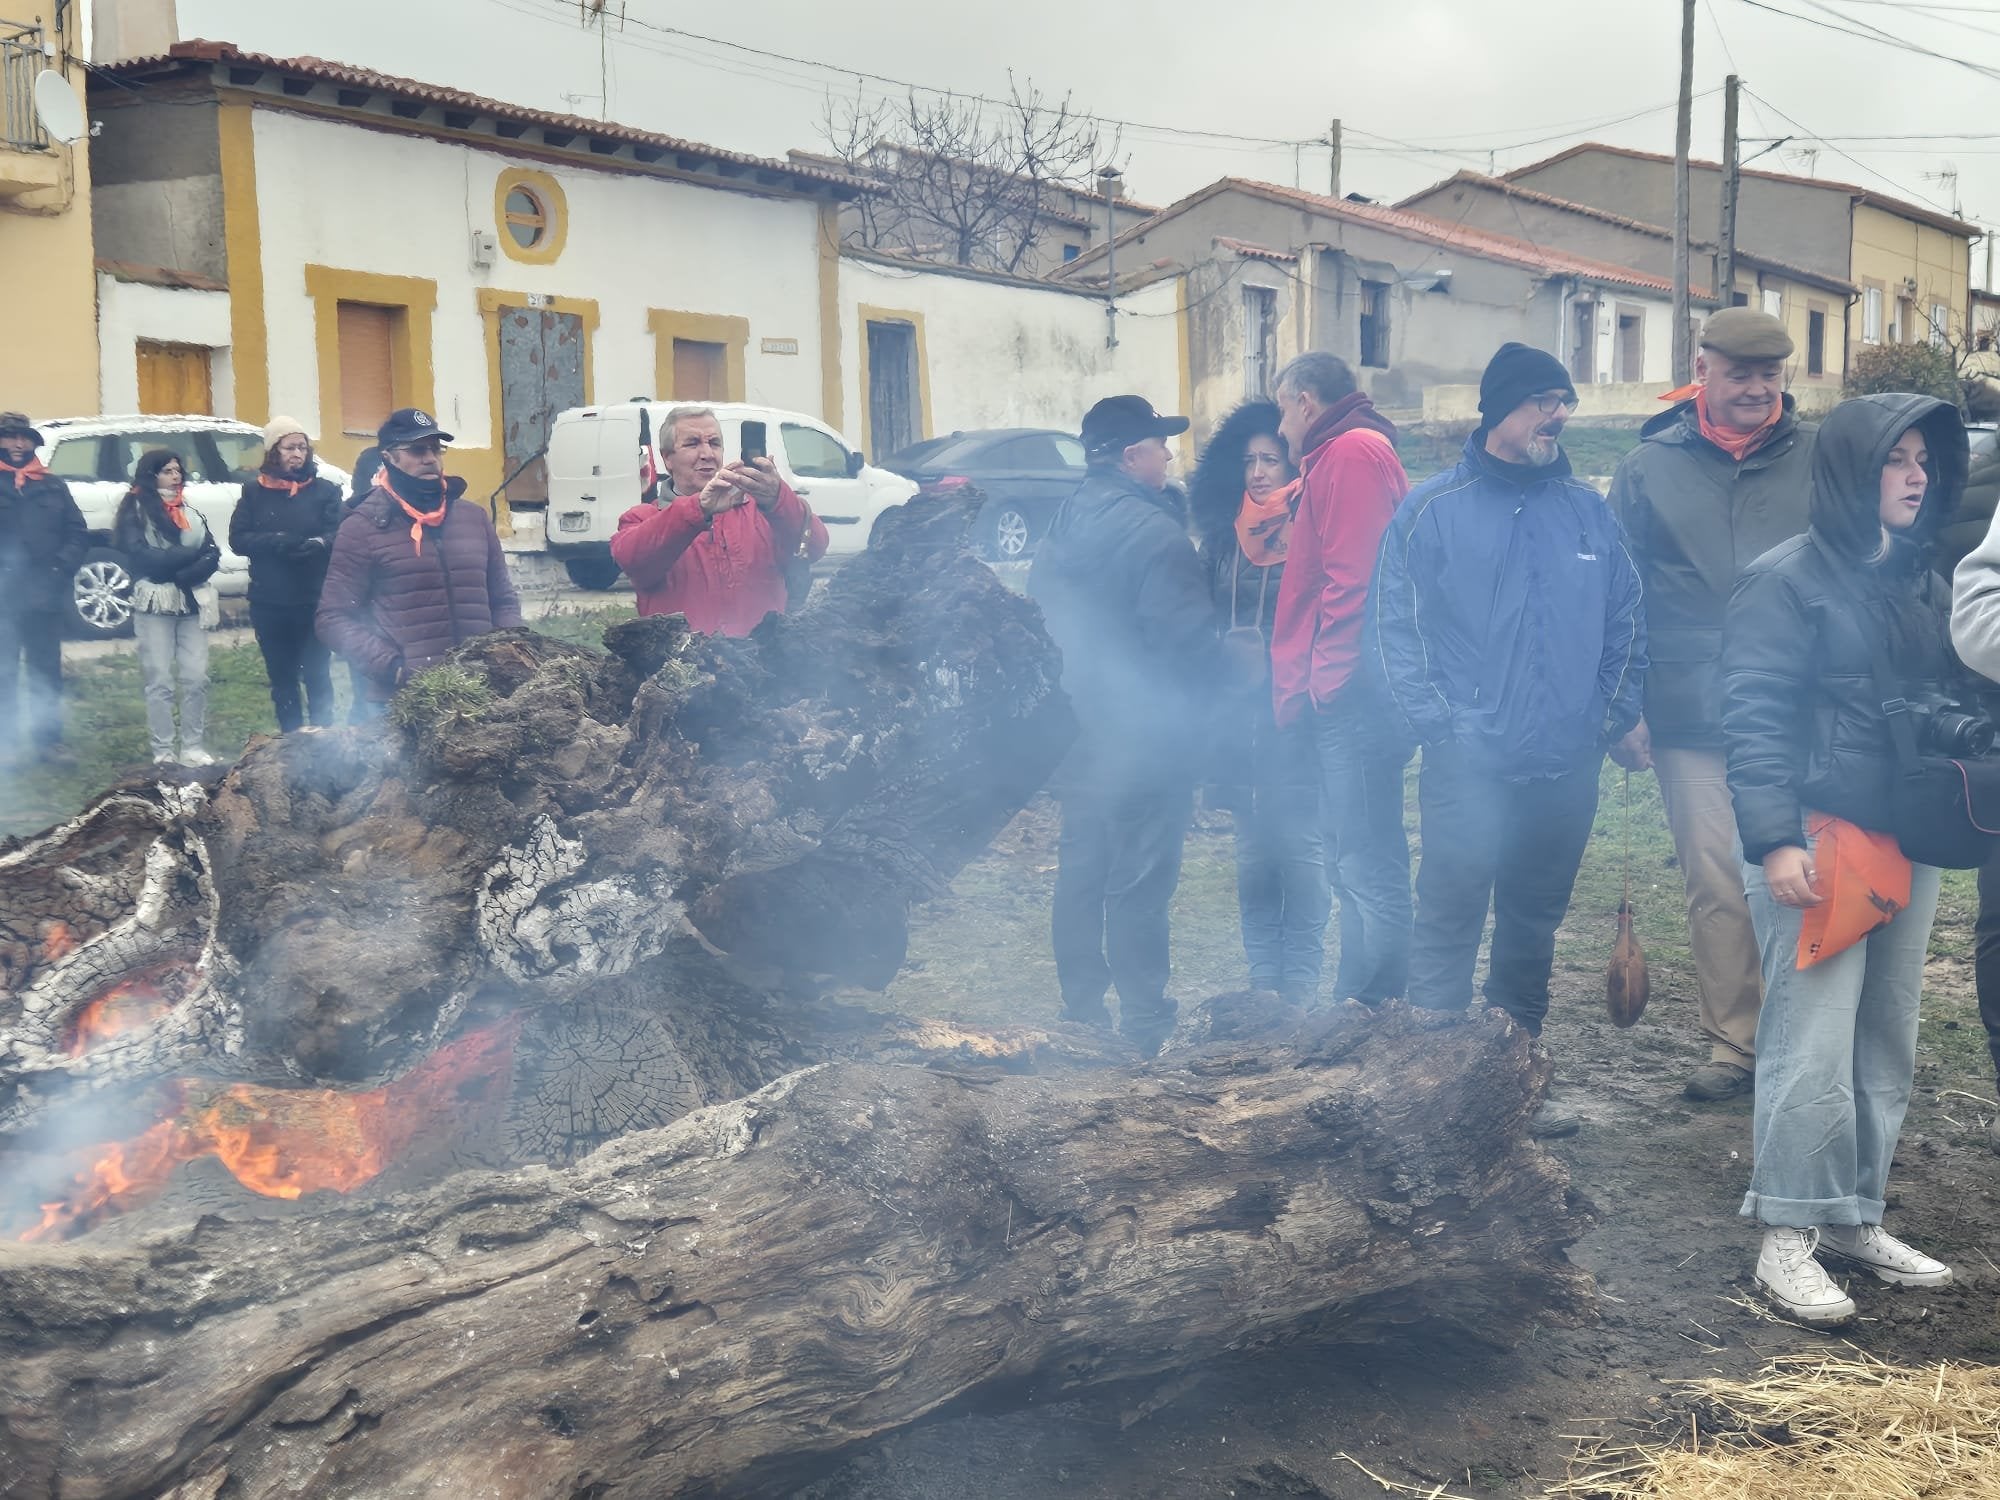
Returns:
<point x="42" y="539"/>
<point x="287" y="534"/>
<point x="1802" y="723"/>
<point x="1124" y="597"/>
<point x="189" y="567"/>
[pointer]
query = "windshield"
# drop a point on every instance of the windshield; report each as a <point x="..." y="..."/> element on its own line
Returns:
<point x="212" y="456"/>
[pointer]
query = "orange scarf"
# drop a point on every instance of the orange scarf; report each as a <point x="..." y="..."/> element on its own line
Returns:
<point x="1865" y="878"/>
<point x="273" y="482"/>
<point x="1738" y="445"/>
<point x="419" y="519"/>
<point x="176" y="505"/>
<point x="32" y="469"/>
<point x="1264" y="527"/>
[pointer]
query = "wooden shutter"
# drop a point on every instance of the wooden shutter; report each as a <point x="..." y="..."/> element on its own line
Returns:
<point x="367" y="366"/>
<point x="174" y="380"/>
<point x="700" y="371"/>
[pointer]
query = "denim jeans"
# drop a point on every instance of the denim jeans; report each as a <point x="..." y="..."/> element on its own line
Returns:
<point x="1118" y="861"/>
<point x="1836" y="1053"/>
<point x="1513" y="845"/>
<point x="1361" y="752"/>
<point x="171" y="645"/>
<point x="1282" y="890"/>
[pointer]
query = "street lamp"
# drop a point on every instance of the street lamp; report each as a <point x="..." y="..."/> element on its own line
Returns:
<point x="1108" y="180"/>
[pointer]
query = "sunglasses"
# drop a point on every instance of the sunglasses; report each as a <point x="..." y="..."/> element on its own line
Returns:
<point x="1549" y="405"/>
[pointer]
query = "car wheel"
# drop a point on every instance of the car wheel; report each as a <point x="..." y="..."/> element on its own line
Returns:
<point x="591" y="572"/>
<point x="1009" y="533"/>
<point x="100" y="596"/>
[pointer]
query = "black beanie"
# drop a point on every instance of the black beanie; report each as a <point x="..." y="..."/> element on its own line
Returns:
<point x="1516" y="373"/>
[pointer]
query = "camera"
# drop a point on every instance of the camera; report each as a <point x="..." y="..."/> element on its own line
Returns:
<point x="1947" y="728"/>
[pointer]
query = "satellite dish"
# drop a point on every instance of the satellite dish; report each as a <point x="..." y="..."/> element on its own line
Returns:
<point x="58" y="108"/>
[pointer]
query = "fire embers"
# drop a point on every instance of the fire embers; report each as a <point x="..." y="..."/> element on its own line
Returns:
<point x="283" y="1143"/>
<point x="127" y="1006"/>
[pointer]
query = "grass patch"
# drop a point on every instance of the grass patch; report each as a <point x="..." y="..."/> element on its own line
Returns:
<point x="447" y="692"/>
<point x="1593" y="449"/>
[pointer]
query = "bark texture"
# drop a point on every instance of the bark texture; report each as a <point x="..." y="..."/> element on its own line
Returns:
<point x="712" y="1308"/>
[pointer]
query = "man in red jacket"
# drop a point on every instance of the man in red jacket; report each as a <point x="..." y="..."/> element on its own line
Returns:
<point x="716" y="551"/>
<point x="1320" y="683"/>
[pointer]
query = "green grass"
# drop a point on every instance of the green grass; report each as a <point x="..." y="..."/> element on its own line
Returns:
<point x="1593" y="449"/>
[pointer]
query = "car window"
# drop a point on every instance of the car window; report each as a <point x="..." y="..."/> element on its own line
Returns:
<point x="232" y="456"/>
<point x="1036" y="451"/>
<point x="75" y="458"/>
<point x="812" y="454"/>
<point x="1070" y="451"/>
<point x="209" y="457"/>
<point x="1984" y="443"/>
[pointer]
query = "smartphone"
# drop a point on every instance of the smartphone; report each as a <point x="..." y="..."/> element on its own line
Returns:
<point x="754" y="442"/>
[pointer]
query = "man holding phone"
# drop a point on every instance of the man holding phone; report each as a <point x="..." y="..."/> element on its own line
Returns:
<point x="716" y="546"/>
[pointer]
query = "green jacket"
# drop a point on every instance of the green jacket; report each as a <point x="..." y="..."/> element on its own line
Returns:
<point x="1694" y="519"/>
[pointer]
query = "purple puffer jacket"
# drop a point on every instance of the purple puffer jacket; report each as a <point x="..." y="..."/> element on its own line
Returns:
<point x="393" y="611"/>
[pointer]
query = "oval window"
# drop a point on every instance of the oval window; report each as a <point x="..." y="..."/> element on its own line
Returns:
<point x="527" y="218"/>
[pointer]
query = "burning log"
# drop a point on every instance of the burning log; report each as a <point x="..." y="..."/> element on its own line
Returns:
<point x="710" y="1308"/>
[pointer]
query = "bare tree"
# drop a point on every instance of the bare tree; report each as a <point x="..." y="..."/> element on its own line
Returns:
<point x="965" y="180"/>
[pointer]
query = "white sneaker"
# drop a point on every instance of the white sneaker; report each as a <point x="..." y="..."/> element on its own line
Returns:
<point x="196" y="756"/>
<point x="1874" y="1249"/>
<point x="1796" y="1283"/>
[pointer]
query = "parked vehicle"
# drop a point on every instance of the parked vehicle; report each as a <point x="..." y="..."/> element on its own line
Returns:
<point x="95" y="455"/>
<point x="594" y="466"/>
<point x="1024" y="472"/>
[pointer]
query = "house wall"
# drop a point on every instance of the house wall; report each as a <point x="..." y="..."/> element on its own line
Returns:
<point x="1890" y="251"/>
<point x="1218" y="331"/>
<point x="45" y="251"/>
<point x="1001" y="353"/>
<point x="1479" y="206"/>
<point x="638" y="253"/>
<point x="1797" y="301"/>
<point x="128" y="312"/>
<point x="159" y="174"/>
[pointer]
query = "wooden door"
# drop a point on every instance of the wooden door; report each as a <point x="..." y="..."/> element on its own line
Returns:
<point x="541" y="374"/>
<point x="701" y="371"/>
<point x="174" y="380"/>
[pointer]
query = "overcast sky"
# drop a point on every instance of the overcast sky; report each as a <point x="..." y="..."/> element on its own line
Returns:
<point x="1517" y="78"/>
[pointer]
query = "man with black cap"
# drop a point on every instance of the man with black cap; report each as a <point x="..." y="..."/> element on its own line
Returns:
<point x="42" y="539"/>
<point x="416" y="569"/>
<point x="1124" y="597"/>
<point x="1506" y="614"/>
<point x="1716" y="482"/>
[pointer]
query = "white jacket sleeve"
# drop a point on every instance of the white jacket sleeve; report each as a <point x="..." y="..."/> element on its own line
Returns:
<point x="1975" y="606"/>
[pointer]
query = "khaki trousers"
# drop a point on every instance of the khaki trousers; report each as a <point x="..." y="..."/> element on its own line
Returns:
<point x="1695" y="788"/>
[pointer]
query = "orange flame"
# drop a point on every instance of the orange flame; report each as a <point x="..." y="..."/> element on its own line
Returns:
<point x="283" y="1143"/>
<point x="122" y="1008"/>
<point x="59" y="940"/>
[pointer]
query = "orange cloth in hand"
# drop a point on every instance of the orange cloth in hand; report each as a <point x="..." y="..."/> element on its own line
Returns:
<point x="1864" y="881"/>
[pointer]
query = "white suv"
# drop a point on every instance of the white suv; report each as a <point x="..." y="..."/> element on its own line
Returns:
<point x="95" y="456"/>
<point x="594" y="477"/>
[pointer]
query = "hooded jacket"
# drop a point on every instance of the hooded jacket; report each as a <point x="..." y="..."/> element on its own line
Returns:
<point x="287" y="534"/>
<point x="393" y="610"/>
<point x="1694" y="518"/>
<point x="42" y="540"/>
<point x="1506" y="614"/>
<point x="1802" y="722"/>
<point x="1353" y="481"/>
<point x="1122" y="593"/>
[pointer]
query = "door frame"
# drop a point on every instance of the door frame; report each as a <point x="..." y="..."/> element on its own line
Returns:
<point x="493" y="301"/>
<point x="732" y="333"/>
<point x="177" y="351"/>
<point x="864" y="315"/>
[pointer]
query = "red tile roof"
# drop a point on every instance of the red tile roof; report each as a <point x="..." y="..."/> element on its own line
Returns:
<point x="1901" y="206"/>
<point x="219" y="53"/>
<point x="1255" y="252"/>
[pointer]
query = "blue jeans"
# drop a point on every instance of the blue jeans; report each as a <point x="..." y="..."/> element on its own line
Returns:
<point x="1282" y="890"/>
<point x="1362" y="751"/>
<point x="1836" y="1052"/>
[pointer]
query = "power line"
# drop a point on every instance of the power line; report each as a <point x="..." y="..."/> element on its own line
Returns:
<point x="1872" y="34"/>
<point x="1804" y="131"/>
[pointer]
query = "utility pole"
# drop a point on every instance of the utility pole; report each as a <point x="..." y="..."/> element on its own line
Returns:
<point x="1333" y="139"/>
<point x="1683" y="132"/>
<point x="1725" y="260"/>
<point x="1108" y="178"/>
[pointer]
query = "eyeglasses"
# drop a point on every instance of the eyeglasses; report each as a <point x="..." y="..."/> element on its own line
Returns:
<point x="1550" y="404"/>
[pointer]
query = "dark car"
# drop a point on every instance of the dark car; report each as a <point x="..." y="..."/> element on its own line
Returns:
<point x="1024" y="472"/>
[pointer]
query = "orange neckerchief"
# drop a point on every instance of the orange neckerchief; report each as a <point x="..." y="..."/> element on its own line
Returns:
<point x="32" y="469"/>
<point x="419" y="519"/>
<point x="176" y="505"/>
<point x="1738" y="445"/>
<point x="1264" y="527"/>
<point x="273" y="482"/>
<point x="1865" y="880"/>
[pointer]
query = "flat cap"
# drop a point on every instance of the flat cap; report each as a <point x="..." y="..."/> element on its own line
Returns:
<point x="1745" y="333"/>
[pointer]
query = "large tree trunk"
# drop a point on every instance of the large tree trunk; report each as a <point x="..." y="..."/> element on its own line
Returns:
<point x="710" y="1308"/>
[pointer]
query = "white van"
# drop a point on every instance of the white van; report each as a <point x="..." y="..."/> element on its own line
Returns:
<point x="593" y="462"/>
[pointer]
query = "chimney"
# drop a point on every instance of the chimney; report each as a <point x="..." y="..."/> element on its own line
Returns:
<point x="125" y="29"/>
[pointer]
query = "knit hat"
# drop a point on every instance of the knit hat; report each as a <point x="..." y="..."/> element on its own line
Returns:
<point x="1516" y="373"/>
<point x="279" y="428"/>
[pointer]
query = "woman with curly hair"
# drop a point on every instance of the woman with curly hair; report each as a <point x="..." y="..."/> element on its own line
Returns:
<point x="1243" y="497"/>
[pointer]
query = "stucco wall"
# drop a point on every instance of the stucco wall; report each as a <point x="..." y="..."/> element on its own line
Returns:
<point x="1001" y="354"/>
<point x="633" y="244"/>
<point x="127" y="313"/>
<point x="1888" y="249"/>
<point x="159" y="183"/>
<point x="45" y="252"/>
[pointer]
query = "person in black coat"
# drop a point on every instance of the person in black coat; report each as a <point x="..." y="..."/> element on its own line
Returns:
<point x="173" y="556"/>
<point x="1243" y="498"/>
<point x="1811" y="768"/>
<point x="1123" y="595"/>
<point x="42" y="539"/>
<point x="284" y="524"/>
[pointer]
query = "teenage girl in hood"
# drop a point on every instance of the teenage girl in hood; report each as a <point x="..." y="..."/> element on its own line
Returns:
<point x="1810" y="771"/>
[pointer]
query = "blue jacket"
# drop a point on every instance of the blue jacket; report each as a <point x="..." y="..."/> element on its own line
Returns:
<point x="1506" y="617"/>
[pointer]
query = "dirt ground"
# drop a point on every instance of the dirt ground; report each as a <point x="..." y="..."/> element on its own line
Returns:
<point x="1671" y="1257"/>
